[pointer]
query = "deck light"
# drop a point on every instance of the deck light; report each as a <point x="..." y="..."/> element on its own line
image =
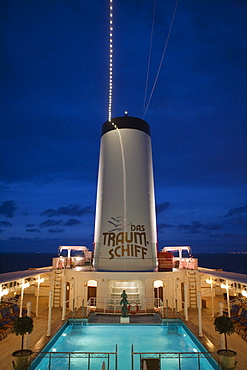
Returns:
<point x="224" y="286"/>
<point x="244" y="293"/>
<point x="3" y="292"/>
<point x="25" y="285"/>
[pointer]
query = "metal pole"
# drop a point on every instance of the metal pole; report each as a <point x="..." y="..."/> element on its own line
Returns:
<point x="166" y="308"/>
<point x="132" y="357"/>
<point x="37" y="298"/>
<point x="199" y="304"/>
<point x="29" y="304"/>
<point x="228" y="303"/>
<point x="185" y="303"/>
<point x="22" y="294"/>
<point x="222" y="338"/>
<point x="49" y="315"/>
<point x="64" y="302"/>
<point x="212" y="297"/>
<point x="82" y="309"/>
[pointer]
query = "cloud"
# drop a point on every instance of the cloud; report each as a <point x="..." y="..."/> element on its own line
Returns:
<point x="71" y="210"/>
<point x="36" y="230"/>
<point x="72" y="222"/>
<point x="164" y="226"/>
<point x="213" y="227"/>
<point x="50" y="223"/>
<point x="215" y="236"/>
<point x="197" y="227"/>
<point x="29" y="225"/>
<point x="229" y="236"/>
<point x="236" y="211"/>
<point x="5" y="224"/>
<point x="193" y="228"/>
<point x="54" y="231"/>
<point x="162" y="207"/>
<point x="8" y="208"/>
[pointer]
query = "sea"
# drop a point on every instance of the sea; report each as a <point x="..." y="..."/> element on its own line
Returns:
<point x="232" y="262"/>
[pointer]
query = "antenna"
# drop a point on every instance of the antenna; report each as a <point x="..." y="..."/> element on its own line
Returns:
<point x="110" y="59"/>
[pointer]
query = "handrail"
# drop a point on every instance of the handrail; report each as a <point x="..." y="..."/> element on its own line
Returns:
<point x="176" y="355"/>
<point x="113" y="304"/>
<point x="39" y="356"/>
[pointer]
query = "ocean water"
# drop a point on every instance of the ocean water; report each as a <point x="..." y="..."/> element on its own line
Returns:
<point x="22" y="261"/>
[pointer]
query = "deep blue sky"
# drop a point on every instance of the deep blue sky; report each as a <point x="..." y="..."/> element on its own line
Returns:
<point x="54" y="93"/>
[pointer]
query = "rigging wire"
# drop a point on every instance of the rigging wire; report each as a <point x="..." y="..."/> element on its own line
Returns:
<point x="164" y="51"/>
<point x="110" y="59"/>
<point x="149" y="57"/>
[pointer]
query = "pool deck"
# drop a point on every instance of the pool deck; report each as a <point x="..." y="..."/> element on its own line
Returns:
<point x="38" y="339"/>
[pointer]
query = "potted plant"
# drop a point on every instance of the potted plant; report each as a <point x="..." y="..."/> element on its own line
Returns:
<point x="22" y="326"/>
<point x="224" y="325"/>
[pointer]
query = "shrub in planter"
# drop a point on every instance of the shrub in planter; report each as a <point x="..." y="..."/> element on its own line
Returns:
<point x="22" y="325"/>
<point x="224" y="325"/>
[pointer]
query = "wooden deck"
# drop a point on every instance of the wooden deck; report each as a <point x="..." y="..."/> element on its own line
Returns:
<point x="38" y="339"/>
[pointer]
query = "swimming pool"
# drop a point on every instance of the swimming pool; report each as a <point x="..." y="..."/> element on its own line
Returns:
<point x="119" y="346"/>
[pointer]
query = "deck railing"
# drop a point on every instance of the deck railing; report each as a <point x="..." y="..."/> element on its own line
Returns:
<point x="112" y="305"/>
<point x="167" y="360"/>
<point x="68" y="360"/>
<point x="88" y="360"/>
<point x="59" y="263"/>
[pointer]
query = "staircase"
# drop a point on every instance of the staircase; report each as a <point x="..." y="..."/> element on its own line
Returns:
<point x="131" y="290"/>
<point x="192" y="289"/>
<point x="57" y="288"/>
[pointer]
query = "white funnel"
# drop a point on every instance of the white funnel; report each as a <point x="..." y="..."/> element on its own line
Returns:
<point x="125" y="235"/>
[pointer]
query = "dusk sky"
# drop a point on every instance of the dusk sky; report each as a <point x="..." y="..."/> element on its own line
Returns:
<point x="54" y="99"/>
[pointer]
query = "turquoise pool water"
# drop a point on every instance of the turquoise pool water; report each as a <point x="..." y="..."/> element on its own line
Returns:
<point x="104" y="338"/>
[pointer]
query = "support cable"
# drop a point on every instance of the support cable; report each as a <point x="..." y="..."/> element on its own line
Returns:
<point x="164" y="51"/>
<point x="149" y="56"/>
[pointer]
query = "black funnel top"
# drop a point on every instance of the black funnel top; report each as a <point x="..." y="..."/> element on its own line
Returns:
<point x="126" y="122"/>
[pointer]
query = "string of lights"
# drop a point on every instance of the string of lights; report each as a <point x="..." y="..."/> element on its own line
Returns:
<point x="110" y="59"/>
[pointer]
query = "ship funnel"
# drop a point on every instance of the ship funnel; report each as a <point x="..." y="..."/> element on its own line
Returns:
<point x="125" y="237"/>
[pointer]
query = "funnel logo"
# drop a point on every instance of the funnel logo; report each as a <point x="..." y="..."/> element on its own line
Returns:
<point x="125" y="240"/>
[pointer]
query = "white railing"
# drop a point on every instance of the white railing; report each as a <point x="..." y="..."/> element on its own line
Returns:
<point x="185" y="263"/>
<point x="59" y="263"/>
<point x="112" y="305"/>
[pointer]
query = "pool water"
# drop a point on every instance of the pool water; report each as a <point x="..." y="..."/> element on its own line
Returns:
<point x="103" y="338"/>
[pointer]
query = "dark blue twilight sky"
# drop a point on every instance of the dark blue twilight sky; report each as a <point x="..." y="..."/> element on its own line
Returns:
<point x="54" y="93"/>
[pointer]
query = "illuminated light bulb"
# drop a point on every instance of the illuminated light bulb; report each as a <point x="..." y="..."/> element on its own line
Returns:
<point x="25" y="285"/>
<point x="110" y="58"/>
<point x="5" y="291"/>
<point x="224" y="286"/>
<point x="244" y="293"/>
